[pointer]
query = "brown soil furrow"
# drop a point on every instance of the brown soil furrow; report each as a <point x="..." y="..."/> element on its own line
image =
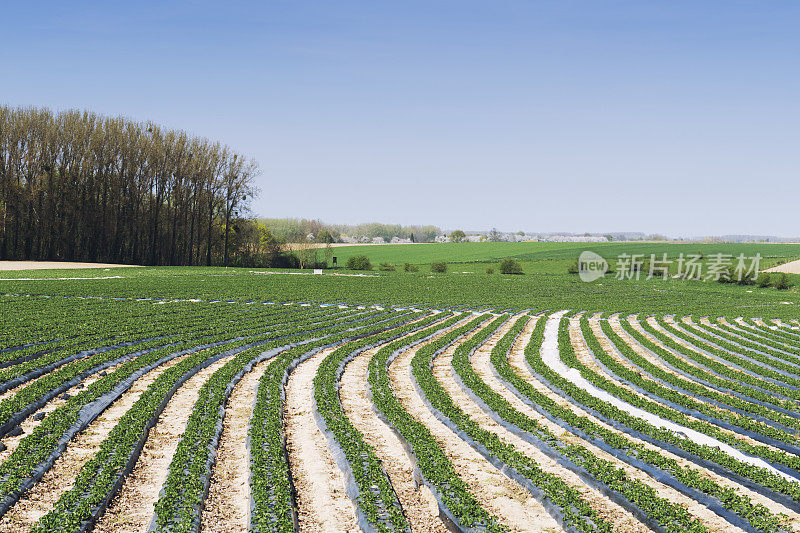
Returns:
<point x="227" y="508"/>
<point x="59" y="479"/>
<point x="419" y="504"/>
<point x="133" y="507"/>
<point x="322" y="500"/>
<point x="443" y="371"/>
<point x="499" y="495"/>
<point x="30" y="424"/>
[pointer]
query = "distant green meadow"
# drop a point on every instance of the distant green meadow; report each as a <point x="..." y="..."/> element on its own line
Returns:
<point x="548" y="256"/>
<point x="546" y="285"/>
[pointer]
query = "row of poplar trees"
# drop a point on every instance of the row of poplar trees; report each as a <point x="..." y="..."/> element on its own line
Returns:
<point x="76" y="186"/>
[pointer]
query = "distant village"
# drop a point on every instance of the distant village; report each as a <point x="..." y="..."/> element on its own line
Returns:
<point x="496" y="236"/>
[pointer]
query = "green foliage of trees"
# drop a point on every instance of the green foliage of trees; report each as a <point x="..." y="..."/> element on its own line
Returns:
<point x="359" y="262"/>
<point x="510" y="266"/>
<point x="439" y="267"/>
<point x="78" y="186"/>
<point x="458" y="236"/>
<point x="783" y="283"/>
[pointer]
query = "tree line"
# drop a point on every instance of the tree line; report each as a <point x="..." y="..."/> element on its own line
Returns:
<point x="295" y="230"/>
<point x="77" y="186"/>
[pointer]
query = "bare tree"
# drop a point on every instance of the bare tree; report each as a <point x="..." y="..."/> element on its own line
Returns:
<point x="78" y="186"/>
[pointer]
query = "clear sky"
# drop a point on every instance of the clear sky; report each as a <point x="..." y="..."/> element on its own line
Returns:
<point x="676" y="116"/>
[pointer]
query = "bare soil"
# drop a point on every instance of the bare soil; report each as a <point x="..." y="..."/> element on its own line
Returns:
<point x="227" y="508"/>
<point x="498" y="494"/>
<point x="133" y="508"/>
<point x="60" y="478"/>
<point x="322" y="500"/>
<point x="419" y="504"/>
<point x="54" y="265"/>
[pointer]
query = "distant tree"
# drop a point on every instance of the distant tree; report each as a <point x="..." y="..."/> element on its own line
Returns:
<point x="306" y="253"/>
<point x="78" y="186"/>
<point x="439" y="266"/>
<point x="359" y="262"/>
<point x="324" y="237"/>
<point x="408" y="267"/>
<point x="386" y="267"/>
<point x="458" y="236"/>
<point x="494" y="236"/>
<point x="783" y="282"/>
<point x="510" y="266"/>
<point x="573" y="268"/>
<point x="764" y="280"/>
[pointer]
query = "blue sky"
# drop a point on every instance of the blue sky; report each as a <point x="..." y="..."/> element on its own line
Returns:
<point x="678" y="117"/>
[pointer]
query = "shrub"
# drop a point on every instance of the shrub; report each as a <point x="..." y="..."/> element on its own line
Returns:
<point x="408" y="267"/>
<point x="764" y="280"/>
<point x="457" y="236"/>
<point x="490" y="270"/>
<point x="783" y="282"/>
<point x="386" y="267"/>
<point x="439" y="266"/>
<point x="573" y="268"/>
<point x="359" y="262"/>
<point x="510" y="266"/>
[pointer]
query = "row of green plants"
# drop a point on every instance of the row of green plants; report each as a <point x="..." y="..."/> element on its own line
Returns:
<point x="48" y="438"/>
<point x="584" y="427"/>
<point x="179" y="506"/>
<point x="146" y="327"/>
<point x="756" y="474"/>
<point x="102" y="476"/>
<point x="715" y="347"/>
<point x="437" y="470"/>
<point x="83" y="331"/>
<point x="17" y="405"/>
<point x="658" y="392"/>
<point x="744" y="383"/>
<point x="779" y="333"/>
<point x="376" y="497"/>
<point x="721" y="387"/>
<point x="751" y="341"/>
<point x="576" y="511"/>
<point x="785" y="337"/>
<point x="270" y="481"/>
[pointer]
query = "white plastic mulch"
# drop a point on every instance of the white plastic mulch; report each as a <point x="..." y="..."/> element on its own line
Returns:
<point x="551" y="358"/>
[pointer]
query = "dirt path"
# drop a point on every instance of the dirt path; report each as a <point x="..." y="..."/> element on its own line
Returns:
<point x="419" y="504"/>
<point x="60" y="478"/>
<point x="50" y="265"/>
<point x="792" y="267"/>
<point x="322" y="501"/>
<point x="445" y="375"/>
<point x="133" y="507"/>
<point x="498" y="494"/>
<point x="227" y="508"/>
